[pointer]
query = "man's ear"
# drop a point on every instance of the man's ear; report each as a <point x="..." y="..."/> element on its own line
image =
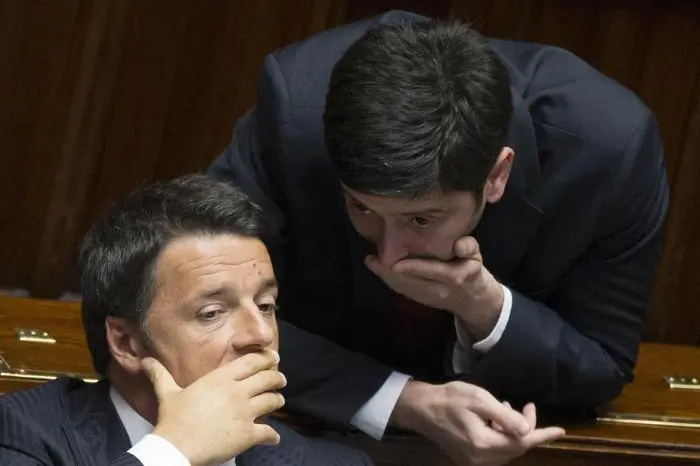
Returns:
<point x="125" y="344"/>
<point x="498" y="178"/>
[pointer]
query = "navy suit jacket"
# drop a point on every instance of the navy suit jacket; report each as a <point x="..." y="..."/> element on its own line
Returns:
<point x="576" y="236"/>
<point x="69" y="423"/>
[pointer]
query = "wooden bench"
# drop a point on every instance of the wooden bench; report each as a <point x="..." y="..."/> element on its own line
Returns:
<point x="652" y="423"/>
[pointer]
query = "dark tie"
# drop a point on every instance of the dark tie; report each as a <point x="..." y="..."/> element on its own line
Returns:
<point x="418" y="337"/>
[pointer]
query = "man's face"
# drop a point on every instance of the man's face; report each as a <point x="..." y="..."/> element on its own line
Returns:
<point x="402" y="228"/>
<point x="214" y="302"/>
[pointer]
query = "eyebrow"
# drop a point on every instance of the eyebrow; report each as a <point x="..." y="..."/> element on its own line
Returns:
<point x="427" y="210"/>
<point x="223" y="290"/>
<point x="267" y="285"/>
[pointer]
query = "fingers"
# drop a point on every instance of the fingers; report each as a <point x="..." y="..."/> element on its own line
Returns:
<point x="490" y="409"/>
<point x="263" y="381"/>
<point x="542" y="436"/>
<point x="162" y="381"/>
<point x="530" y="413"/>
<point x="266" y="403"/>
<point x="249" y="364"/>
<point x="494" y="425"/>
<point x="425" y="268"/>
<point x="450" y="272"/>
<point x="263" y="434"/>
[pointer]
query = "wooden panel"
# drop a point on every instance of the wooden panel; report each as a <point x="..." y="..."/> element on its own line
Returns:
<point x="99" y="96"/>
<point x="675" y="315"/>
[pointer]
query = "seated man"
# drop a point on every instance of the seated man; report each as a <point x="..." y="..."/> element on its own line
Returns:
<point x="179" y="314"/>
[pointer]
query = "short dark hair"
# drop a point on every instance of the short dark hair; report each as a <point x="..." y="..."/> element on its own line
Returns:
<point x="118" y="255"/>
<point x="416" y="107"/>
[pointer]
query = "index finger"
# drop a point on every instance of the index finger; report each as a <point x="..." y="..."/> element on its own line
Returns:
<point x="542" y="436"/>
<point x="490" y="409"/>
<point x="249" y="364"/>
<point x="429" y="269"/>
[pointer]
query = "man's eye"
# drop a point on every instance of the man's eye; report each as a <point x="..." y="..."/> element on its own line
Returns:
<point x="268" y="308"/>
<point x="421" y="222"/>
<point x="209" y="314"/>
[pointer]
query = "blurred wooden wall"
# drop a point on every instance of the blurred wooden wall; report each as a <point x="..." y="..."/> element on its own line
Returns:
<point x="98" y="96"/>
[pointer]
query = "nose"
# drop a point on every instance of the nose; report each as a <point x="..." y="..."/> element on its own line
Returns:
<point x="392" y="246"/>
<point x="253" y="331"/>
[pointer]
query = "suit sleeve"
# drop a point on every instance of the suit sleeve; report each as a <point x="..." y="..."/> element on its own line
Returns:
<point x="324" y="380"/>
<point x="579" y="349"/>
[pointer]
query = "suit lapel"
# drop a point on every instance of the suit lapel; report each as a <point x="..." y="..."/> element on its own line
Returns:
<point x="508" y="226"/>
<point x="93" y="429"/>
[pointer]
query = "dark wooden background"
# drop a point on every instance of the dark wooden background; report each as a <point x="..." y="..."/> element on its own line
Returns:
<point x="98" y="96"/>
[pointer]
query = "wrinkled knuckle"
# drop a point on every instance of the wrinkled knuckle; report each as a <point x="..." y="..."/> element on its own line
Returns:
<point x="478" y="394"/>
<point x="452" y="388"/>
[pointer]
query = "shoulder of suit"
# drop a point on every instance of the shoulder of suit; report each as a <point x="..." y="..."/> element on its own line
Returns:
<point x="566" y="93"/>
<point x="40" y="404"/>
<point x="31" y="418"/>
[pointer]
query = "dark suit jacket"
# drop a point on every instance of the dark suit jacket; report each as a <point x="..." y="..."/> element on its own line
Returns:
<point x="70" y="423"/>
<point x="576" y="236"/>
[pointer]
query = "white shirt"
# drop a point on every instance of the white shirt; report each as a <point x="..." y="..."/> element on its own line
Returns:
<point x="150" y="449"/>
<point x="373" y="417"/>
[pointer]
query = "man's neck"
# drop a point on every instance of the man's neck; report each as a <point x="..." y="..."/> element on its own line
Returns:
<point x="136" y="391"/>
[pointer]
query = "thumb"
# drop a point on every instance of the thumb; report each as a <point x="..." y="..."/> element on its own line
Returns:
<point x="466" y="248"/>
<point x="163" y="383"/>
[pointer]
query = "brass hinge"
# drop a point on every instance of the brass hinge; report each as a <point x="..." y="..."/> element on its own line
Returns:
<point x="682" y="382"/>
<point x="34" y="336"/>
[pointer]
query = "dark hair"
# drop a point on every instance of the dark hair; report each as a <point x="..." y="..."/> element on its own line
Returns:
<point x="118" y="254"/>
<point x="417" y="107"/>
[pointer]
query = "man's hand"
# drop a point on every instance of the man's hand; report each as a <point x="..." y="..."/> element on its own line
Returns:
<point x="462" y="286"/>
<point x="213" y="419"/>
<point x="469" y="424"/>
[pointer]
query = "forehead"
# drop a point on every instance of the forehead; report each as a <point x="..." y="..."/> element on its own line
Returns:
<point x="191" y="263"/>
<point x="437" y="201"/>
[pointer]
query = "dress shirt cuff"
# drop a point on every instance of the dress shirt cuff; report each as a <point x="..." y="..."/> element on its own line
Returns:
<point x="495" y="336"/>
<point x="462" y="355"/>
<point x="373" y="417"/>
<point x="153" y="450"/>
